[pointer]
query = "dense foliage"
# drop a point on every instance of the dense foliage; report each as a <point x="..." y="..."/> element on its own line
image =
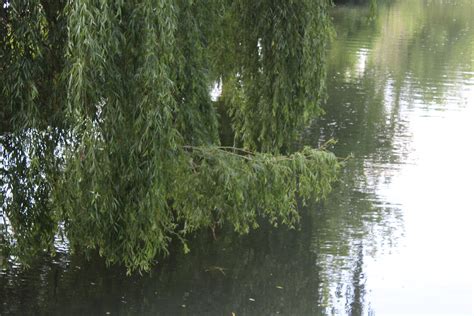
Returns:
<point x="109" y="135"/>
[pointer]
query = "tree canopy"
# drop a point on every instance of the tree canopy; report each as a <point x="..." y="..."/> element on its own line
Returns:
<point x="109" y="135"/>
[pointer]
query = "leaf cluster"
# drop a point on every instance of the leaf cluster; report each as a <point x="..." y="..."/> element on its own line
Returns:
<point x="109" y="135"/>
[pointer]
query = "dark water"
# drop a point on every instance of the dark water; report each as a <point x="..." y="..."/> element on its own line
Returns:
<point x="394" y="238"/>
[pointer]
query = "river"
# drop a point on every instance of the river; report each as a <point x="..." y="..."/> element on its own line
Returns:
<point x="395" y="236"/>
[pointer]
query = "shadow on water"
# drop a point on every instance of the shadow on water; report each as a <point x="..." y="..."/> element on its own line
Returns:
<point x="412" y="56"/>
<point x="267" y="272"/>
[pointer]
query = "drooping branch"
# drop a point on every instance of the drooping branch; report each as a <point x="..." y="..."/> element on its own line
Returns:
<point x="102" y="96"/>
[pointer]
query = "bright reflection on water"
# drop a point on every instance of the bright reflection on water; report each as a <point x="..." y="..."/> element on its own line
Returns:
<point x="394" y="238"/>
<point x="410" y="88"/>
<point x="431" y="272"/>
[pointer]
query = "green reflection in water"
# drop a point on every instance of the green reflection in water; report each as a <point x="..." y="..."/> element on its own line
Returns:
<point x="414" y="55"/>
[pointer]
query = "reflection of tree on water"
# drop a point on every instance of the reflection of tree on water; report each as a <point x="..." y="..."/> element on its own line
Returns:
<point x="373" y="76"/>
<point x="349" y="226"/>
<point x="355" y="298"/>
<point x="272" y="267"/>
<point x="420" y="48"/>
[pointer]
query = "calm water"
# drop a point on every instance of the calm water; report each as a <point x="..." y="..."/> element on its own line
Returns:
<point x="395" y="237"/>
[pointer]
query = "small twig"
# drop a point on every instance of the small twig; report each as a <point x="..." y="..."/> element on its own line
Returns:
<point x="342" y="159"/>
<point x="216" y="268"/>
<point x="225" y="151"/>
<point x="237" y="149"/>
<point x="330" y="141"/>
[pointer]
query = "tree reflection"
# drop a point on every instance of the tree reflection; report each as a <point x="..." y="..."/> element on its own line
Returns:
<point x="379" y="72"/>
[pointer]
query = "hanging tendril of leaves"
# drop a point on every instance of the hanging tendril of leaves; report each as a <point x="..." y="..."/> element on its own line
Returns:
<point x="109" y="136"/>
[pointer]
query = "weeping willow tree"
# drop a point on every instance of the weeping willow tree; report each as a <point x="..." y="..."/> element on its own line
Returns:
<point x="109" y="136"/>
